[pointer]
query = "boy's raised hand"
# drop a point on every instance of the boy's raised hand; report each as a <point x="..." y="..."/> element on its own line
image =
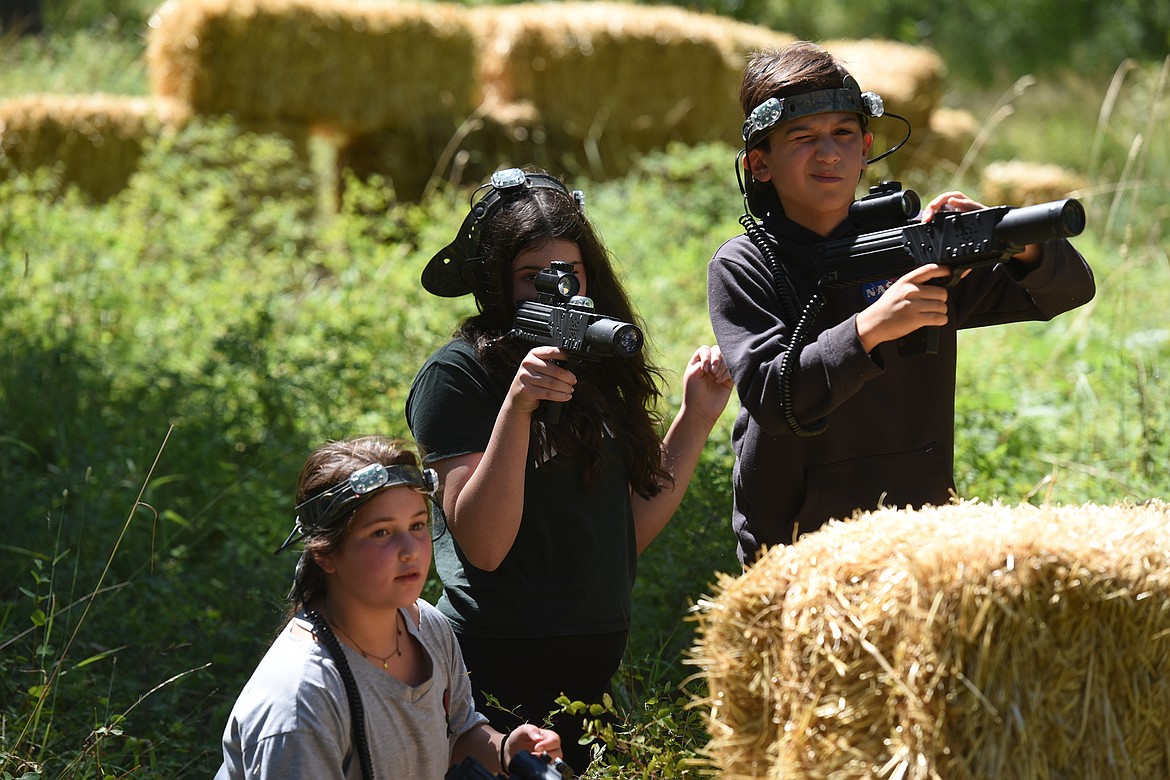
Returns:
<point x="957" y="201"/>
<point x="949" y="201"/>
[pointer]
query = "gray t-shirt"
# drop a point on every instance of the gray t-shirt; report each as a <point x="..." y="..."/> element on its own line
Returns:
<point x="292" y="720"/>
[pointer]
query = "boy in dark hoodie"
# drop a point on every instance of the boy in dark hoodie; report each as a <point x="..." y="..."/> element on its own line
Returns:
<point x="833" y="417"/>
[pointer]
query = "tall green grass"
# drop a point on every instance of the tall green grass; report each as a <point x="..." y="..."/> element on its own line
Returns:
<point x="168" y="358"/>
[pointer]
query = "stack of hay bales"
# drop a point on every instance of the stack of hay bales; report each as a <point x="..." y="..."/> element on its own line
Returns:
<point x="604" y="82"/>
<point x="388" y="83"/>
<point x="94" y="140"/>
<point x="418" y="90"/>
<point x="971" y="641"/>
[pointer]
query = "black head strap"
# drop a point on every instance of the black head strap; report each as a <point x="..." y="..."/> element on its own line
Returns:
<point x="767" y="116"/>
<point x="329" y="508"/>
<point x="452" y="271"/>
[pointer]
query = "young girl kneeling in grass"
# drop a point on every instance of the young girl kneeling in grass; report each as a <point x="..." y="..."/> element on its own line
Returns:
<point x="366" y="679"/>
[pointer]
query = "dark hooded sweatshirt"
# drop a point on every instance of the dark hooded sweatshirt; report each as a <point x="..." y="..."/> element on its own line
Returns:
<point x="890" y="435"/>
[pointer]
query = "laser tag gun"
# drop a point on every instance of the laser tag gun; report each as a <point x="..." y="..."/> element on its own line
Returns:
<point x="561" y="318"/>
<point x="525" y="766"/>
<point x="897" y="243"/>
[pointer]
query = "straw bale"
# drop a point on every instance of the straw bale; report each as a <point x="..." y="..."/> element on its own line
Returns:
<point x="353" y="64"/>
<point x="950" y="135"/>
<point x="968" y="641"/>
<point x="95" y="140"/>
<point x="609" y="80"/>
<point x="1021" y="183"/>
<point x="407" y="158"/>
<point x="909" y="79"/>
<point x="503" y="135"/>
<point x="411" y="160"/>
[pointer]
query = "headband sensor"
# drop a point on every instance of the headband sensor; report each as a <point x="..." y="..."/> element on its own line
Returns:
<point x="326" y="511"/>
<point x="767" y="116"/>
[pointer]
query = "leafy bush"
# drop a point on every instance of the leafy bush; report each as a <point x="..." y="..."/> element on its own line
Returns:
<point x="210" y="317"/>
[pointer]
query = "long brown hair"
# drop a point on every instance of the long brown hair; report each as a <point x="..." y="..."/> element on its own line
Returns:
<point x="615" y="395"/>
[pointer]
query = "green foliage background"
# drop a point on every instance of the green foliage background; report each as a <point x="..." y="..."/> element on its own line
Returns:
<point x="168" y="358"/>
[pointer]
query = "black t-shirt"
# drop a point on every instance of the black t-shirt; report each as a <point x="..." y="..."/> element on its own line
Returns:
<point x="572" y="566"/>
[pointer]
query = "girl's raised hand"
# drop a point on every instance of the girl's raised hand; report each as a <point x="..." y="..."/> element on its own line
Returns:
<point x="707" y="382"/>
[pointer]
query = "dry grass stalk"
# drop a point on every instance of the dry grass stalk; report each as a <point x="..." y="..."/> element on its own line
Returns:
<point x="969" y="641"/>
<point x="96" y="140"/>
<point x="355" y="65"/>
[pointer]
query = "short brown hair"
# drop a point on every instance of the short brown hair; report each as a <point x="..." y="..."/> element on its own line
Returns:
<point x="799" y="67"/>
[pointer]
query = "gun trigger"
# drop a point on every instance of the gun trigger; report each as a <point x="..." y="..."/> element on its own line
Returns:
<point x="954" y="278"/>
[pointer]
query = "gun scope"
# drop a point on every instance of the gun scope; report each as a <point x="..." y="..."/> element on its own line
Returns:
<point x="557" y="282"/>
<point x="886" y="205"/>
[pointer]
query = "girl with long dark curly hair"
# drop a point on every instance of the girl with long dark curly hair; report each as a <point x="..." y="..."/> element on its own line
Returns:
<point x="546" y="520"/>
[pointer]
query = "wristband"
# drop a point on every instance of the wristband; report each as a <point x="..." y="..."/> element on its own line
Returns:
<point x="504" y="741"/>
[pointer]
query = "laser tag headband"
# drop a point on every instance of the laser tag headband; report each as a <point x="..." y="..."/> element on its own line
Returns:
<point x="767" y="116"/>
<point x="326" y="511"/>
<point x="452" y="271"/>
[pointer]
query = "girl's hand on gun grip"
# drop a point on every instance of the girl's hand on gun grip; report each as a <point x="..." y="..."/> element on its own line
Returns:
<point x="541" y="378"/>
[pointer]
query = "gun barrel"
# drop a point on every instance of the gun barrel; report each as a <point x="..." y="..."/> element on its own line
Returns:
<point x="584" y="334"/>
<point x="1042" y="222"/>
<point x="614" y="337"/>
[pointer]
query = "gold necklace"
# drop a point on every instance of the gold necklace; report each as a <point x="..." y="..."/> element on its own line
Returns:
<point x="384" y="661"/>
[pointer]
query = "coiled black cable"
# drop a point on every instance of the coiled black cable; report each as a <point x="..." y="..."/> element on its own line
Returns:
<point x="357" y="713"/>
<point x="800" y="334"/>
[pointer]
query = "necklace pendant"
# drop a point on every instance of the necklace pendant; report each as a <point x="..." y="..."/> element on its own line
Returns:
<point x="385" y="664"/>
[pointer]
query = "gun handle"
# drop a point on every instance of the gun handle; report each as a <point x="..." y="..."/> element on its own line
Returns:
<point x="549" y="412"/>
<point x="923" y="341"/>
